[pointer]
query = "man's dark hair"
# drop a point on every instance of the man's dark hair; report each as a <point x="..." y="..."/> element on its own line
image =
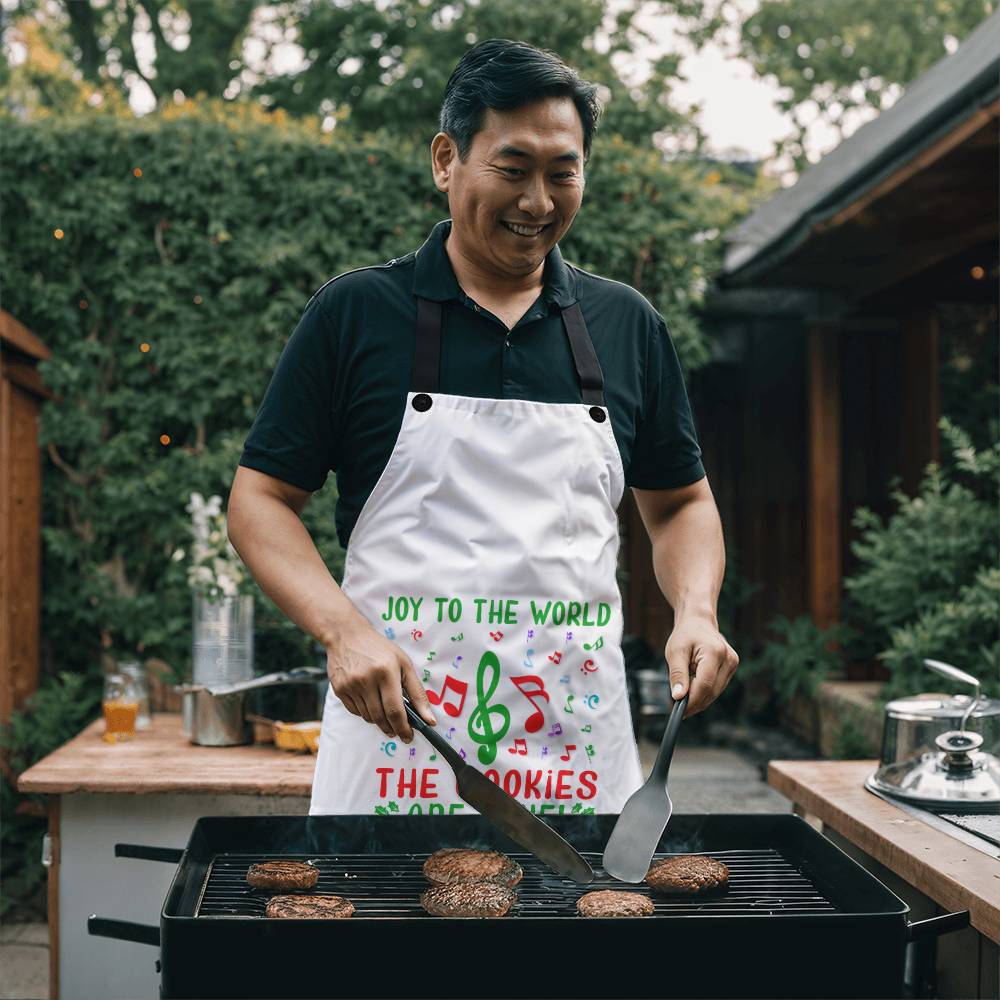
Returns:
<point x="503" y="75"/>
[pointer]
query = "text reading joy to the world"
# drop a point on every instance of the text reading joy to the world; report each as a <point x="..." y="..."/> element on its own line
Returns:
<point x="498" y="611"/>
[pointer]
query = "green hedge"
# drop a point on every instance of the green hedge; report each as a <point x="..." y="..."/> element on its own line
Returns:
<point x="202" y="232"/>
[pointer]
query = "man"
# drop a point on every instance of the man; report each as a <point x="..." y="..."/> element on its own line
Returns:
<point x="484" y="406"/>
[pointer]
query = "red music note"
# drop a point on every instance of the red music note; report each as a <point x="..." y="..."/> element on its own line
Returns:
<point x="520" y="747"/>
<point x="460" y="688"/>
<point x="556" y="657"/>
<point x="496" y="636"/>
<point x="570" y="747"/>
<point x="532" y="687"/>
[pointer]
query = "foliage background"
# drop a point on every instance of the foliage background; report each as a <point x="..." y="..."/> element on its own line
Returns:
<point x="202" y="229"/>
<point x="202" y="232"/>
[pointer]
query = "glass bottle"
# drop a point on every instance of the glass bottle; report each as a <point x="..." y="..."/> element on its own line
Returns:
<point x="132" y="669"/>
<point x="120" y="708"/>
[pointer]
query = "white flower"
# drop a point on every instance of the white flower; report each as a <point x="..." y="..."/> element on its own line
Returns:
<point x="178" y="555"/>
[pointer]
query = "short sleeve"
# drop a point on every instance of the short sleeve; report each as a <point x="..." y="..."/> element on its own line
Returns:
<point x="666" y="454"/>
<point x="294" y="433"/>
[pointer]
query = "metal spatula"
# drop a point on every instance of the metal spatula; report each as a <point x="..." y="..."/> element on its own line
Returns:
<point x="644" y="818"/>
<point x="505" y="812"/>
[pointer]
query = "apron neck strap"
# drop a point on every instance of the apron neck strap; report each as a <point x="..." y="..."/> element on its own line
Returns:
<point x="427" y="357"/>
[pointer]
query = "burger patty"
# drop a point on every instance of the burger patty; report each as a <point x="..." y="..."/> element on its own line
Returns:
<point x="614" y="903"/>
<point x="458" y="864"/>
<point x="468" y="899"/>
<point x="309" y="907"/>
<point x="283" y="875"/>
<point x="688" y="874"/>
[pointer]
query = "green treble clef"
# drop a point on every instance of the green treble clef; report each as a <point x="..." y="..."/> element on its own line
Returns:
<point x="481" y="728"/>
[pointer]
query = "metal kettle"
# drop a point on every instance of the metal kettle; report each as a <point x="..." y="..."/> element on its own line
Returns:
<point x="941" y="750"/>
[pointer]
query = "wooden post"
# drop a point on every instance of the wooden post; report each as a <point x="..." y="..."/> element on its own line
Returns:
<point x="824" y="488"/>
<point x="920" y="396"/>
<point x="21" y="392"/>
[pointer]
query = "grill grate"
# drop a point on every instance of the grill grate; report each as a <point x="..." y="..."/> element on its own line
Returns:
<point x="761" y="882"/>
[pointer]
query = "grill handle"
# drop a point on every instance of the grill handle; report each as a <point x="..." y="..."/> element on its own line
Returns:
<point x="123" y="930"/>
<point x="935" y="926"/>
<point x="144" y="853"/>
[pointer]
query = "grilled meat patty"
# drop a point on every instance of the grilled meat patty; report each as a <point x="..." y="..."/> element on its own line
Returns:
<point x="614" y="903"/>
<point x="309" y="907"/>
<point x="688" y="874"/>
<point x="468" y="899"/>
<point x="282" y="875"/>
<point x="459" y="864"/>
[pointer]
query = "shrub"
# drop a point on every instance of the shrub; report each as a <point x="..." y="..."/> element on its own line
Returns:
<point x="165" y="262"/>
<point x="799" y="659"/>
<point x="928" y="583"/>
<point x="52" y="715"/>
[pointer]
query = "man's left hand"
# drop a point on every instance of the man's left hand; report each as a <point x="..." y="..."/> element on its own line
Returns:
<point x="698" y="654"/>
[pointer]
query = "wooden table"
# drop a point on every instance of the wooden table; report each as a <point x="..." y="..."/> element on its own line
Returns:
<point x="947" y="874"/>
<point x="163" y="759"/>
<point x="149" y="790"/>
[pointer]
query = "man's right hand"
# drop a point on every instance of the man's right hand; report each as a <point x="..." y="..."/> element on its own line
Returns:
<point x="369" y="674"/>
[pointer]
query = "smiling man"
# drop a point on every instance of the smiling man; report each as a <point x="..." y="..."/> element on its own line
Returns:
<point x="484" y="404"/>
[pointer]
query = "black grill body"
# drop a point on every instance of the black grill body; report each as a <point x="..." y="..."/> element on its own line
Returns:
<point x="799" y="919"/>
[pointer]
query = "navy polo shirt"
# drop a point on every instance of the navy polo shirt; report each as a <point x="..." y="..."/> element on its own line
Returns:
<point x="336" y="399"/>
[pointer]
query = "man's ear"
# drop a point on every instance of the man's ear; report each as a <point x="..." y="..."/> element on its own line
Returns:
<point x="443" y="156"/>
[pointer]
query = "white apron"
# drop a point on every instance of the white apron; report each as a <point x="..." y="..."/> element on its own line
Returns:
<point x="487" y="552"/>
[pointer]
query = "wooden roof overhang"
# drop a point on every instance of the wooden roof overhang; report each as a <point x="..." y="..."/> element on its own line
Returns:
<point x="910" y="197"/>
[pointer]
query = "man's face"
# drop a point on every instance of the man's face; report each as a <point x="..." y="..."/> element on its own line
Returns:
<point x="525" y="169"/>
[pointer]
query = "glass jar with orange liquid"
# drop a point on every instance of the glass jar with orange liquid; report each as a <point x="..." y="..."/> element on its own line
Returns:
<point x="121" y="706"/>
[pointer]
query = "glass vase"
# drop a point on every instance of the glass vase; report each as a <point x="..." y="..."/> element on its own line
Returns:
<point x="222" y="640"/>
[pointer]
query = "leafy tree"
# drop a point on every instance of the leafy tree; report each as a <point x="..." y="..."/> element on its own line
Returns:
<point x="387" y="65"/>
<point x="379" y="65"/>
<point x="197" y="44"/>
<point x="166" y="308"/>
<point x="835" y="59"/>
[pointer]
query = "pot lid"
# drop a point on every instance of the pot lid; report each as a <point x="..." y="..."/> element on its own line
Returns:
<point x="959" y="775"/>
<point x="937" y="705"/>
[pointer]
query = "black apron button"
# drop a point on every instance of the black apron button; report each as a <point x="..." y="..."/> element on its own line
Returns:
<point x="421" y="402"/>
<point x="598" y="414"/>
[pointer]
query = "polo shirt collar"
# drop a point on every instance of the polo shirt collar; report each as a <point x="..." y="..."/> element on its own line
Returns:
<point x="434" y="278"/>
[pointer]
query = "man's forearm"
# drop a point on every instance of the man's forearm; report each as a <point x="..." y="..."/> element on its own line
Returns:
<point x="689" y="558"/>
<point x="280" y="554"/>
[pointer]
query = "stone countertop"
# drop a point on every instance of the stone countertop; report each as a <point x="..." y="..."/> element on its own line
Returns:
<point x="954" y="875"/>
<point x="163" y="759"/>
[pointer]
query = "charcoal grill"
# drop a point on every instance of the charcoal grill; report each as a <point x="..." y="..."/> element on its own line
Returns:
<point x="799" y="918"/>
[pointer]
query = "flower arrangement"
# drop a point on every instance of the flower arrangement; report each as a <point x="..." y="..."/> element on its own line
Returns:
<point x="215" y="570"/>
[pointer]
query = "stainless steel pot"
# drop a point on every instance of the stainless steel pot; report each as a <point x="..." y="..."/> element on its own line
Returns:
<point x="941" y="749"/>
<point x="215" y="715"/>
